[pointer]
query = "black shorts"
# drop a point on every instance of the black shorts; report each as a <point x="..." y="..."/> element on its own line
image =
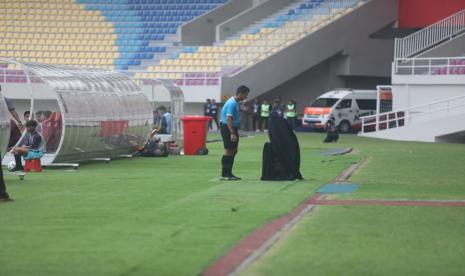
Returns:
<point x="226" y="135"/>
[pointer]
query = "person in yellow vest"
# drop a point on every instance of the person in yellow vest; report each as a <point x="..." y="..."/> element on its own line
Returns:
<point x="265" y="115"/>
<point x="291" y="113"/>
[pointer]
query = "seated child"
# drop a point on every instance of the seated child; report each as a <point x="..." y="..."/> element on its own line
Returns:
<point x="32" y="146"/>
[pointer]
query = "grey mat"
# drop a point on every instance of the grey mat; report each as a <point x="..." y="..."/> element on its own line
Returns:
<point x="336" y="151"/>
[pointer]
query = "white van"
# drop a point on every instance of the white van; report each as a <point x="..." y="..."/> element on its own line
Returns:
<point x="345" y="105"/>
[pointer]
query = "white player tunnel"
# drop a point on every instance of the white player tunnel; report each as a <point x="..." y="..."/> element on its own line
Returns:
<point x="4" y="126"/>
<point x="84" y="114"/>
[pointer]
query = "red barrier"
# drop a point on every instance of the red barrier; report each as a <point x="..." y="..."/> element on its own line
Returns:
<point x="109" y="128"/>
<point x="422" y="13"/>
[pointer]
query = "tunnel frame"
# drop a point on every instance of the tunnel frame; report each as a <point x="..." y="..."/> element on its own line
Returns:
<point x="104" y="114"/>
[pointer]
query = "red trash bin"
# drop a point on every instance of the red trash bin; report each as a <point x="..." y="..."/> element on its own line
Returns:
<point x="195" y="133"/>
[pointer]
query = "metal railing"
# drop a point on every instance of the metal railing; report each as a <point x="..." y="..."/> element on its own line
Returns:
<point x="285" y="35"/>
<point x="430" y="36"/>
<point x="416" y="114"/>
<point x="429" y="66"/>
<point x="180" y="78"/>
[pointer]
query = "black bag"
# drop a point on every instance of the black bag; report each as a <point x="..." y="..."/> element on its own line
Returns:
<point x="272" y="168"/>
<point x="267" y="165"/>
<point x="331" y="137"/>
<point x="281" y="157"/>
<point x="155" y="148"/>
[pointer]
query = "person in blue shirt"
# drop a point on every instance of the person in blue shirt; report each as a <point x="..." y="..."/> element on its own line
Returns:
<point x="229" y="126"/>
<point x="32" y="146"/>
<point x="165" y="126"/>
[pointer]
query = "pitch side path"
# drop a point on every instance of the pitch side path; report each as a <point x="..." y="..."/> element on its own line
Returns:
<point x="255" y="245"/>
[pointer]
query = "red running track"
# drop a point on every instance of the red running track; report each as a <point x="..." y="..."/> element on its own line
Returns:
<point x="247" y="246"/>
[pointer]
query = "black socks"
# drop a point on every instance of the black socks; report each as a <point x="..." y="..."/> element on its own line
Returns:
<point x="3" y="193"/>
<point x="226" y="165"/>
<point x="19" y="165"/>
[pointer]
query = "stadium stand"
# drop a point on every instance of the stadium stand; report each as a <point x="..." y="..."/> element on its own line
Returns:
<point x="146" y="27"/>
<point x="254" y="43"/>
<point x="111" y="34"/>
<point x="56" y="32"/>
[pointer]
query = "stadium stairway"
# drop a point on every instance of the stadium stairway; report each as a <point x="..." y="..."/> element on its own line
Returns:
<point x="291" y="41"/>
<point x="442" y="38"/>
<point x="111" y="34"/>
<point x="442" y="121"/>
<point x="255" y="28"/>
<point x="227" y="54"/>
<point x="343" y="31"/>
<point x="428" y="84"/>
<point x="146" y="29"/>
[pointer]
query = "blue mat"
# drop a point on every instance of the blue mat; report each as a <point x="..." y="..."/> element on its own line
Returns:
<point x="340" y="188"/>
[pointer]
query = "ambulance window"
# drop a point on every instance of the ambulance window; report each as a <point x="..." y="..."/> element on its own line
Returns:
<point x="366" y="104"/>
<point x="324" y="102"/>
<point x="344" y="104"/>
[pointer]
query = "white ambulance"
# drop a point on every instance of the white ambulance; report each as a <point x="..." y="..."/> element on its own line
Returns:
<point x="345" y="105"/>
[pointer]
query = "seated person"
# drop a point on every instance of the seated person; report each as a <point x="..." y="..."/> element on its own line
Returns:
<point x="332" y="133"/>
<point x="165" y="123"/>
<point x="31" y="147"/>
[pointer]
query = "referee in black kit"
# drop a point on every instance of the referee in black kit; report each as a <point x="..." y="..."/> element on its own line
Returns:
<point x="229" y="132"/>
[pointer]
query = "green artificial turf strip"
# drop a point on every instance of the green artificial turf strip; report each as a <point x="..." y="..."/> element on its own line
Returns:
<point x="147" y="216"/>
<point x="408" y="170"/>
<point x="374" y="240"/>
<point x="370" y="240"/>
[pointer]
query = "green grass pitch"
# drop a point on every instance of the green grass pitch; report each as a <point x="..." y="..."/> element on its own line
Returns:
<point x="170" y="216"/>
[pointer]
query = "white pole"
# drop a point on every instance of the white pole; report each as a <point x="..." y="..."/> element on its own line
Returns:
<point x="377" y="107"/>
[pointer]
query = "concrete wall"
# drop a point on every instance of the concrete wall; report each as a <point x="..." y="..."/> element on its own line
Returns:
<point x="430" y="131"/>
<point x="348" y="36"/>
<point x="321" y="78"/>
<point x="408" y="95"/>
<point x="450" y="48"/>
<point x="20" y="95"/>
<point x="421" y="89"/>
<point x="307" y="86"/>
<point x="192" y="93"/>
<point x="202" y="30"/>
<point x="193" y="109"/>
<point x="456" y="138"/>
<point x="422" y="13"/>
<point x="249" y="17"/>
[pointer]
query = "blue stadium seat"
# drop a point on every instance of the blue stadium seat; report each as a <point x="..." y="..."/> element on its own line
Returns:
<point x="137" y="22"/>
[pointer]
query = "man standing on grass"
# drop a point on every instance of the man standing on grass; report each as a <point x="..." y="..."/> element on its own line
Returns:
<point x="229" y="131"/>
